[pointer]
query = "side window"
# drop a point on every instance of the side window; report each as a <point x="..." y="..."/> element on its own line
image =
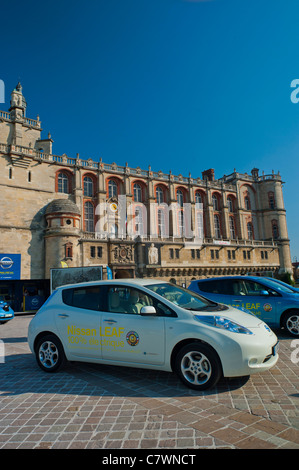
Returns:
<point x="255" y="288"/>
<point x="88" y="298"/>
<point x="122" y="299"/>
<point x="215" y="287"/>
<point x="208" y="286"/>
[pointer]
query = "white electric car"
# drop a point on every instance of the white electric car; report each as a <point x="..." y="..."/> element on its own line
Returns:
<point x="149" y="324"/>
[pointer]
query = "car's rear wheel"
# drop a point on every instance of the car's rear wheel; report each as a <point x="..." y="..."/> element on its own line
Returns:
<point x="198" y="366"/>
<point x="290" y="322"/>
<point x="49" y="353"/>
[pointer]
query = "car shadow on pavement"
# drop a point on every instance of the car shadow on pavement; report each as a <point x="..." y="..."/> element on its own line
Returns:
<point x="20" y="374"/>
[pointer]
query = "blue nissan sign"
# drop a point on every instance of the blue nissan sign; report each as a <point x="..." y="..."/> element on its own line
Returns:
<point x="10" y="266"/>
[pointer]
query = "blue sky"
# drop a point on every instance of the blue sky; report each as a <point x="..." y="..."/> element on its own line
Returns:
<point x="181" y="85"/>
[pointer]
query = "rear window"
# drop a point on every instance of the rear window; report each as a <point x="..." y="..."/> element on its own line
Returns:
<point x="88" y="298"/>
<point x="215" y="286"/>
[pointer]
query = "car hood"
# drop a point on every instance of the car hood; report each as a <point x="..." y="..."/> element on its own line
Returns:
<point x="238" y="316"/>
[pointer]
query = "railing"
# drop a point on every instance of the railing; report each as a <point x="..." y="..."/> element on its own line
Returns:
<point x="205" y="242"/>
<point x="226" y="182"/>
<point x="4" y="115"/>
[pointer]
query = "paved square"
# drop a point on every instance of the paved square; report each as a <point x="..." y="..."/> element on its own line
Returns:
<point x="105" y="407"/>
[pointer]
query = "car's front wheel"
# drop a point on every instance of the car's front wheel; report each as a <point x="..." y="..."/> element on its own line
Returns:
<point x="198" y="366"/>
<point x="49" y="353"/>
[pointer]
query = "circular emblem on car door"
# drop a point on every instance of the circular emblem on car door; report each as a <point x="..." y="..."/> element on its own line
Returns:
<point x="132" y="338"/>
<point x="267" y="307"/>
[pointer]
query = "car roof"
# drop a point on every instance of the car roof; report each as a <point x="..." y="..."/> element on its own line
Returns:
<point x="222" y="278"/>
<point x="125" y="282"/>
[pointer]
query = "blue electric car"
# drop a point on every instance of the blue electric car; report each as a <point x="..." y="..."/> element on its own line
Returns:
<point x="274" y="303"/>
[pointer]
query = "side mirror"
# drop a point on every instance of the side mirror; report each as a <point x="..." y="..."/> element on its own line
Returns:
<point x="148" y="310"/>
<point x="264" y="292"/>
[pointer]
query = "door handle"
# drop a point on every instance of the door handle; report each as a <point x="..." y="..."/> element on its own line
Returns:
<point x="110" y="321"/>
<point x="63" y="315"/>
<point x="236" y="300"/>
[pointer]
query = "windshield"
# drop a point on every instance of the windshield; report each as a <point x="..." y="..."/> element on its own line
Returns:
<point x="181" y="297"/>
<point x="278" y="286"/>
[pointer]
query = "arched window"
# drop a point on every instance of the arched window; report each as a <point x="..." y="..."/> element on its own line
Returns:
<point x="250" y="233"/>
<point x="198" y="198"/>
<point x="232" y="228"/>
<point x="159" y="195"/>
<point x="180" y="197"/>
<point x="137" y="192"/>
<point x="215" y="202"/>
<point x="63" y="185"/>
<point x="88" y="217"/>
<point x="112" y="189"/>
<point x="217" y="226"/>
<point x="88" y="186"/>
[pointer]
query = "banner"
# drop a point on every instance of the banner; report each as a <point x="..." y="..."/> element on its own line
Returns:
<point x="10" y="266"/>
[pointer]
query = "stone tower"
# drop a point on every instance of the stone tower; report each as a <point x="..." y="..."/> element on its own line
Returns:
<point x="62" y="235"/>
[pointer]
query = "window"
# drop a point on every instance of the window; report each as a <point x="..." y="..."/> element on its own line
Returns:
<point x="99" y="252"/>
<point x="271" y="199"/>
<point x="250" y="231"/>
<point x="217" y="227"/>
<point x="177" y="253"/>
<point x="246" y="254"/>
<point x="63" y="183"/>
<point x="198" y="198"/>
<point x="137" y="192"/>
<point x="181" y="223"/>
<point x="88" y="186"/>
<point x="88" y="217"/>
<point x="275" y="230"/>
<point x="68" y="250"/>
<point x="161" y="223"/>
<point x="180" y="197"/>
<point x="92" y="251"/>
<point x="215" y="202"/>
<point x="231" y="254"/>
<point x="214" y="254"/>
<point x="195" y="254"/>
<point x="251" y="288"/>
<point x="232" y="230"/>
<point x="139" y="226"/>
<point x="247" y="204"/>
<point x="130" y="300"/>
<point x="159" y="195"/>
<point x="230" y="204"/>
<point x="215" y="287"/>
<point x="171" y="253"/>
<point x="199" y="224"/>
<point x="88" y="298"/>
<point x="112" y="189"/>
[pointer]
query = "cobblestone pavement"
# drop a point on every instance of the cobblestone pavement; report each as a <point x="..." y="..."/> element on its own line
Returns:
<point x="89" y="406"/>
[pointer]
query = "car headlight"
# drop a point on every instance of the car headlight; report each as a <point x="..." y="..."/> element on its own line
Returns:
<point x="223" y="323"/>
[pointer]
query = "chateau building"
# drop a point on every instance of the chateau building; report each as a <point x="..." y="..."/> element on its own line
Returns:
<point x="66" y="211"/>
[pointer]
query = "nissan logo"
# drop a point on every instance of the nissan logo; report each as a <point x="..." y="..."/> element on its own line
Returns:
<point x="6" y="262"/>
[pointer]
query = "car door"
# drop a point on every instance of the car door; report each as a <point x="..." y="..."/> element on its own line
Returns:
<point x="78" y="321"/>
<point x="127" y="336"/>
<point x="255" y="297"/>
